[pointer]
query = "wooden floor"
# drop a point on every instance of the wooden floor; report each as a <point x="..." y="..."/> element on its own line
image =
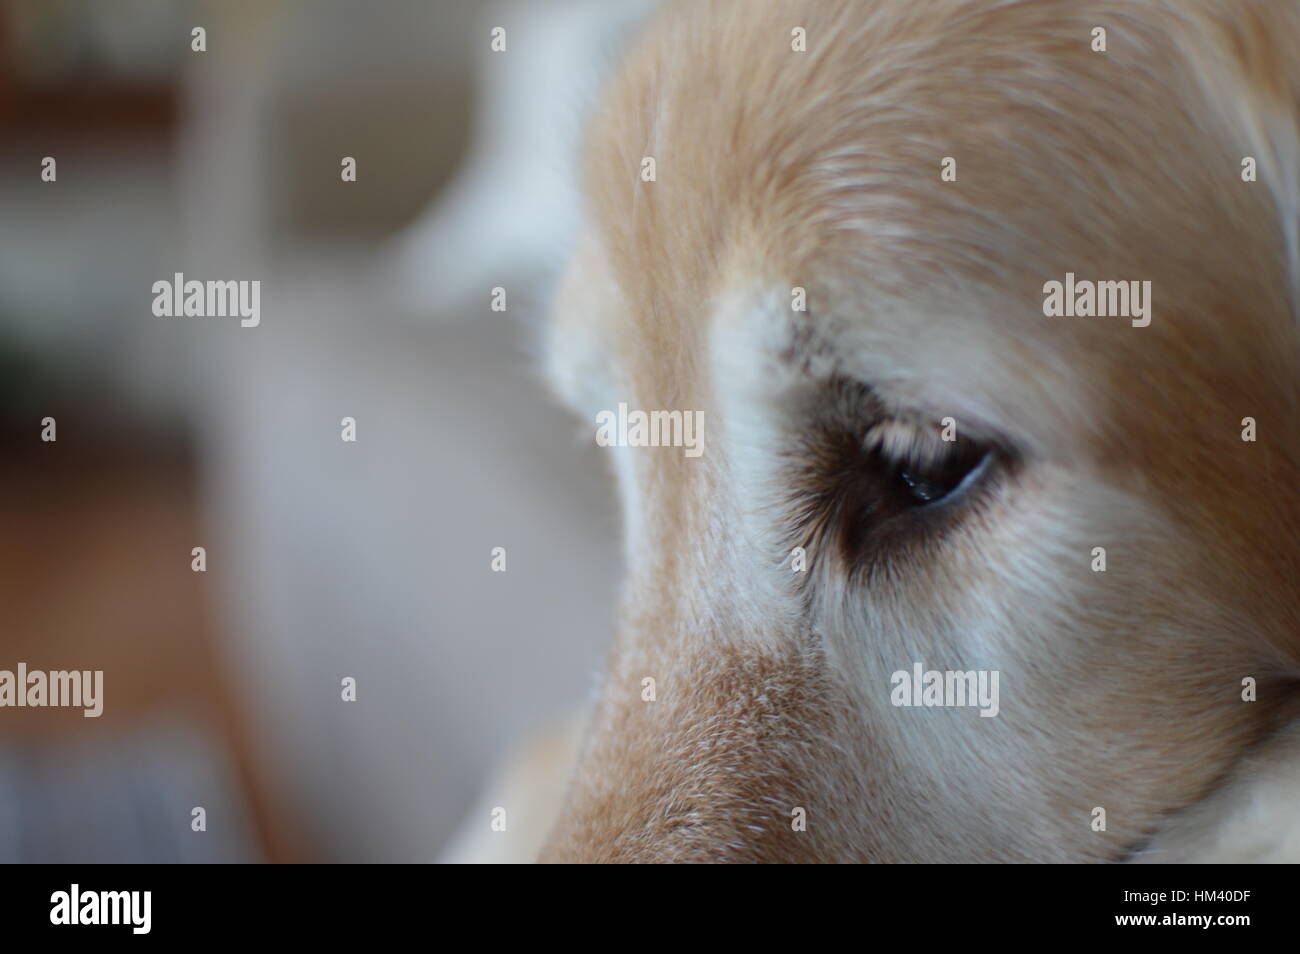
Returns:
<point x="95" y="574"/>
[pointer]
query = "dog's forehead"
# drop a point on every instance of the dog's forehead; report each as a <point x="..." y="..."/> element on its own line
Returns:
<point x="892" y="197"/>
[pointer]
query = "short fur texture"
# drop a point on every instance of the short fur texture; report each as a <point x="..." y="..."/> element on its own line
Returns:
<point x="1119" y="689"/>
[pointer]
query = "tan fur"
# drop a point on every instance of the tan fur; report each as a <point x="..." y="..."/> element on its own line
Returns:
<point x="778" y="169"/>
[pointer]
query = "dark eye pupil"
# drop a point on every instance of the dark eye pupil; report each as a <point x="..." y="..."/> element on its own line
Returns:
<point x="923" y="489"/>
<point x="930" y="484"/>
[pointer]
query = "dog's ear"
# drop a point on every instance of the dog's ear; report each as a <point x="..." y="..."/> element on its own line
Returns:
<point x="1244" y="54"/>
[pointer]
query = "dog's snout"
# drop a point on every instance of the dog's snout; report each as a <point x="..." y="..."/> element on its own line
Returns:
<point x="730" y="760"/>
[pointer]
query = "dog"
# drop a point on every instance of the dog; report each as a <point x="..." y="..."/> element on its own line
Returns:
<point x="833" y="229"/>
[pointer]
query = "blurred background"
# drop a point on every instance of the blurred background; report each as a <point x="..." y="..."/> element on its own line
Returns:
<point x="325" y="559"/>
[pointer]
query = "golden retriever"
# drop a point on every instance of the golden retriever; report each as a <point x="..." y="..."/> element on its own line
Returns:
<point x="895" y="255"/>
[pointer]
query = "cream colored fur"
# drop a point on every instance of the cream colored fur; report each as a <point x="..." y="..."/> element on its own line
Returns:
<point x="1119" y="690"/>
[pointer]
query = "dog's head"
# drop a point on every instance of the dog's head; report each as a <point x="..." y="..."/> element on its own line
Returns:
<point x="840" y="264"/>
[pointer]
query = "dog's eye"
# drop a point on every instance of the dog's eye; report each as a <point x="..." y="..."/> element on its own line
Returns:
<point x="920" y="466"/>
<point x="928" y="482"/>
<point x="860" y="490"/>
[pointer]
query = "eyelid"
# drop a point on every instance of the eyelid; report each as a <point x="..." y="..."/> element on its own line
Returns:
<point x="902" y="441"/>
<point x="973" y="478"/>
